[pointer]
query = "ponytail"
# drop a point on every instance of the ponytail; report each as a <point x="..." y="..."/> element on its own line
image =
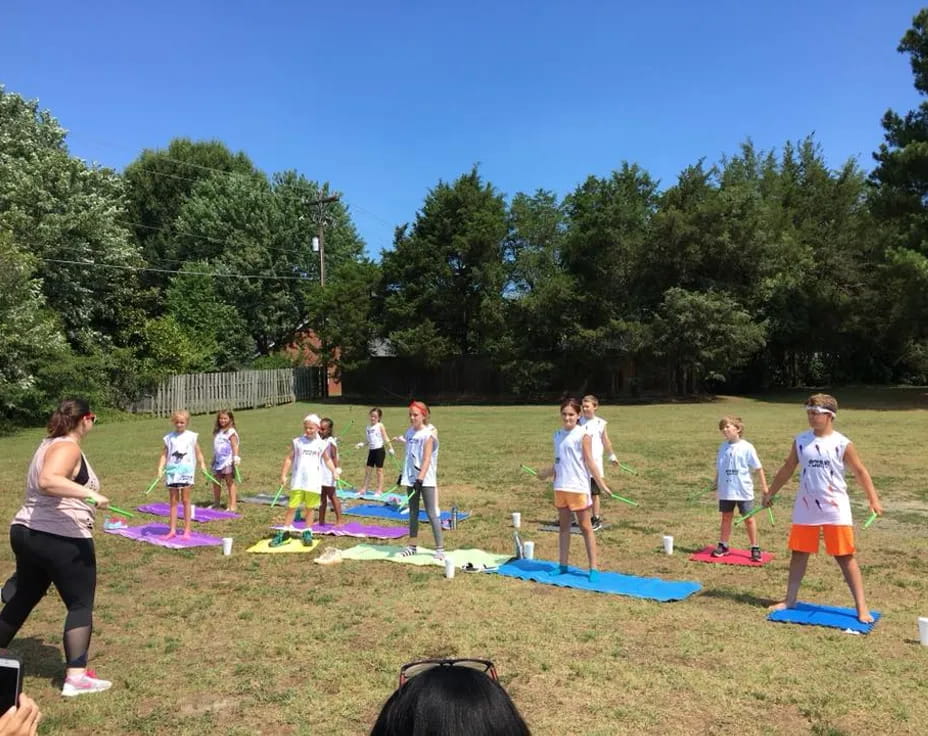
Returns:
<point x="66" y="417"/>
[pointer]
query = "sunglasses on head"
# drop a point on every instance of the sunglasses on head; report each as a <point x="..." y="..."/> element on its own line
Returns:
<point x="411" y="669"/>
<point x="92" y="417"/>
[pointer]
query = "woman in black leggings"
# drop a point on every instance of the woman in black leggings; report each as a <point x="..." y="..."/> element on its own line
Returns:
<point x="51" y="536"/>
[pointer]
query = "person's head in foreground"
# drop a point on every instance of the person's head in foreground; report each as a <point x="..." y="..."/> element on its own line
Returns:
<point x="449" y="697"/>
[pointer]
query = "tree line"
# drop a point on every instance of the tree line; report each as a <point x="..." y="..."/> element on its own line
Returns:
<point x="767" y="268"/>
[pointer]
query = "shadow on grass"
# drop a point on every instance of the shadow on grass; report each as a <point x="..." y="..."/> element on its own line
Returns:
<point x="40" y="659"/>
<point x="739" y="597"/>
<point x="871" y="398"/>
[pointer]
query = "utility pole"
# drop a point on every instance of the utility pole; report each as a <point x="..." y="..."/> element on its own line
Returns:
<point x="319" y="240"/>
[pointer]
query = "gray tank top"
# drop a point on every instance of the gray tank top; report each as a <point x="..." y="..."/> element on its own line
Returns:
<point x="67" y="517"/>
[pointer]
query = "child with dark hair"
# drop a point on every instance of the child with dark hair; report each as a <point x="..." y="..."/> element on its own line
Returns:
<point x="452" y="697"/>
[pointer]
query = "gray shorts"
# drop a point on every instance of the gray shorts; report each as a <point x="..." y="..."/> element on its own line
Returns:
<point x="745" y="507"/>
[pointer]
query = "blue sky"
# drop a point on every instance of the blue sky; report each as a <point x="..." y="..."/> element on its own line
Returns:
<point x="383" y="99"/>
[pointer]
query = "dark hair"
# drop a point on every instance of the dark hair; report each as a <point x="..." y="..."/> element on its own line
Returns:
<point x="571" y="402"/>
<point x="228" y="413"/>
<point x="453" y="701"/>
<point x="329" y="422"/>
<point x="67" y="416"/>
<point x="378" y="412"/>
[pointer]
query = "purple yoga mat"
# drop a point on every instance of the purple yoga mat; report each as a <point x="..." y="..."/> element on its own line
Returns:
<point x="354" y="529"/>
<point x="153" y="533"/>
<point x="201" y="514"/>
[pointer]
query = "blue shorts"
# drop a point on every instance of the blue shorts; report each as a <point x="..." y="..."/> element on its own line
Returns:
<point x="745" y="507"/>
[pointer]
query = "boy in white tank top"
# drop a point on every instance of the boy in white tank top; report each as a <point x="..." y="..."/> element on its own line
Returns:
<point x="822" y="505"/>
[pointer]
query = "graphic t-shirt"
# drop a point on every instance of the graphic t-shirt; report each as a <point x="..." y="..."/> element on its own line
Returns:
<point x="734" y="464"/>
<point x="306" y="472"/>
<point x="182" y="457"/>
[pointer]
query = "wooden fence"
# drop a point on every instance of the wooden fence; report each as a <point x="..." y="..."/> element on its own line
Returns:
<point x="202" y="393"/>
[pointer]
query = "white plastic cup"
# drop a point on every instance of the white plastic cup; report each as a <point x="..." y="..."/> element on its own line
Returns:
<point x="528" y="550"/>
<point x="668" y="544"/>
<point x="449" y="568"/>
<point x="923" y="630"/>
<point x="516" y="520"/>
<point x="227" y="546"/>
<point x="193" y="512"/>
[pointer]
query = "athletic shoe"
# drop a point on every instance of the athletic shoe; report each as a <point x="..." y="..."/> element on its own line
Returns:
<point x="307" y="538"/>
<point x="409" y="551"/>
<point x="755" y="554"/>
<point x="282" y="537"/>
<point x="86" y="683"/>
<point x="721" y="550"/>
<point x="597" y="523"/>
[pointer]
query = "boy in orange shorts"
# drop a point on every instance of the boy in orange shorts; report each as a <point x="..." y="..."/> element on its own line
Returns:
<point x="822" y="505"/>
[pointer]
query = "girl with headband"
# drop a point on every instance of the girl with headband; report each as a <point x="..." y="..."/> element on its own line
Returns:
<point x="420" y="477"/>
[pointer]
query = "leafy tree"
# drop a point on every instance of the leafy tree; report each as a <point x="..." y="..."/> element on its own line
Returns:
<point x="702" y="337"/>
<point x="69" y="216"/>
<point x="443" y="280"/>
<point x="29" y="333"/>
<point x="900" y="202"/>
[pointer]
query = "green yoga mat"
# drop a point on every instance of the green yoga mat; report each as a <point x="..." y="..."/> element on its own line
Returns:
<point x="476" y="557"/>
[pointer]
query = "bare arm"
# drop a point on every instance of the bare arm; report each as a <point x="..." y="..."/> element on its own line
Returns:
<point x="386" y="438"/>
<point x="426" y="458"/>
<point x="200" y="458"/>
<point x="288" y="461"/>
<point x="607" y="444"/>
<point x="233" y="440"/>
<point x="783" y="475"/>
<point x="863" y="477"/>
<point x="762" y="480"/>
<point x="62" y="461"/>
<point x="163" y="460"/>
<point x="591" y="464"/>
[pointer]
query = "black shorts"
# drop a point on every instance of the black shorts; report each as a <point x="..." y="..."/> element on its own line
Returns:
<point x="594" y="489"/>
<point x="376" y="457"/>
<point x="727" y="507"/>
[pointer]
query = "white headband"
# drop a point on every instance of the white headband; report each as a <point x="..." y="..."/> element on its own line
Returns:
<point x="820" y="410"/>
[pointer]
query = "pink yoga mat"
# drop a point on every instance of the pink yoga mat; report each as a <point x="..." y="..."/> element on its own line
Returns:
<point x="354" y="529"/>
<point x="153" y="533"/>
<point x="201" y="514"/>
<point x="734" y="557"/>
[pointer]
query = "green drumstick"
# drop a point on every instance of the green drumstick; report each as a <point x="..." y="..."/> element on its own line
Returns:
<point x="112" y="508"/>
<point x="623" y="500"/>
<point x="527" y="469"/>
<point x="277" y="495"/>
<point x="748" y="516"/>
<point x="872" y="518"/>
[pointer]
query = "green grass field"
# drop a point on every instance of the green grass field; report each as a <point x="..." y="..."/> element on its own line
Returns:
<point x="197" y="643"/>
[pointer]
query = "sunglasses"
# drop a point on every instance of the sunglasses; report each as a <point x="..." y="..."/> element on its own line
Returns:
<point x="411" y="669"/>
<point x="92" y="417"/>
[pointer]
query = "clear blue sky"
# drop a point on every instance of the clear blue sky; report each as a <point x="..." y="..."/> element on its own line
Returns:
<point x="384" y="98"/>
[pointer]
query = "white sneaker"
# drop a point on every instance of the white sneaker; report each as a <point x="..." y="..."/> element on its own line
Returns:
<point x="86" y="683"/>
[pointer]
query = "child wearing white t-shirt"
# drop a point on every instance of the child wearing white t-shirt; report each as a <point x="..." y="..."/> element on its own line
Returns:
<point x="734" y="463"/>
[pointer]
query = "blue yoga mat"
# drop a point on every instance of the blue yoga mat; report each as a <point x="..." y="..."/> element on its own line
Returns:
<point x="379" y="511"/>
<point x="616" y="583"/>
<point x="833" y="617"/>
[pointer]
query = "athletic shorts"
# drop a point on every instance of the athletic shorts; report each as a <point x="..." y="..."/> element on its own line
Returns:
<point x="225" y="472"/>
<point x="572" y="501"/>
<point x="594" y="489"/>
<point x="745" y="507"/>
<point x="839" y="540"/>
<point x="306" y="498"/>
<point x="179" y="485"/>
<point x="376" y="457"/>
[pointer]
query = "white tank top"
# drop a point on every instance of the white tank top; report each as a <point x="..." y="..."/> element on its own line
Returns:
<point x="328" y="479"/>
<point x="570" y="471"/>
<point x="415" y="448"/>
<point x="822" y="496"/>
<point x="595" y="427"/>
<point x="374" y="436"/>
<point x="306" y="471"/>
<point x="222" y="448"/>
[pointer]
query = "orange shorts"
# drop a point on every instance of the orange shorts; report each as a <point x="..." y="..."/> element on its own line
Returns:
<point x="572" y="501"/>
<point x="839" y="540"/>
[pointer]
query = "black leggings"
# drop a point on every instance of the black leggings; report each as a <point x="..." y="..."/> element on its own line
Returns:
<point x="68" y="562"/>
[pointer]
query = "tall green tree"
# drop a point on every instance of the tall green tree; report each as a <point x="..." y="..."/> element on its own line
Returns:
<point x="69" y="216"/>
<point x="443" y="280"/>
<point x="900" y="203"/>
